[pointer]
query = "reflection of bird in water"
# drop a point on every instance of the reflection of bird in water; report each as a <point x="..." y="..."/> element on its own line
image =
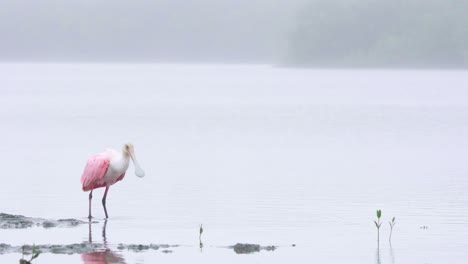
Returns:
<point x="102" y="257"/>
<point x="106" y="257"/>
<point x="105" y="169"/>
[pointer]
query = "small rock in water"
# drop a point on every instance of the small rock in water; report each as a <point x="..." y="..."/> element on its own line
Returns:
<point x="269" y="248"/>
<point x="240" y="248"/>
<point x="243" y="248"/>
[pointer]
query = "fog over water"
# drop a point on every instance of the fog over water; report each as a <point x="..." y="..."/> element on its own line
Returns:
<point x="311" y="33"/>
<point x="146" y="30"/>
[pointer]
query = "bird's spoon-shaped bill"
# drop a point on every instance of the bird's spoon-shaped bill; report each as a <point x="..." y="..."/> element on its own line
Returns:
<point x="138" y="170"/>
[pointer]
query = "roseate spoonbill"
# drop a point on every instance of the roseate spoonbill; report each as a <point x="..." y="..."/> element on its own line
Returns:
<point x="107" y="168"/>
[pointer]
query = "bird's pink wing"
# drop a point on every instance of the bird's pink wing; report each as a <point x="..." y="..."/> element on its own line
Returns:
<point x="94" y="172"/>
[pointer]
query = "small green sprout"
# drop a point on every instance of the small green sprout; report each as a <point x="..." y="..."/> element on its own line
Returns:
<point x="392" y="224"/>
<point x="378" y="224"/>
<point x="199" y="238"/>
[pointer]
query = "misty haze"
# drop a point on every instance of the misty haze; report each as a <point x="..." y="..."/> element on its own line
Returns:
<point x="337" y="33"/>
<point x="216" y="131"/>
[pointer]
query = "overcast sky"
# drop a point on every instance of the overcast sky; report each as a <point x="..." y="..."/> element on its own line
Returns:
<point x="146" y="30"/>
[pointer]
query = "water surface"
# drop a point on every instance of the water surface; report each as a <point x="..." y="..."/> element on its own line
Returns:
<point x="256" y="154"/>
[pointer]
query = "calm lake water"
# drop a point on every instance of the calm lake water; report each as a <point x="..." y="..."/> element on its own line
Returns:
<point x="255" y="153"/>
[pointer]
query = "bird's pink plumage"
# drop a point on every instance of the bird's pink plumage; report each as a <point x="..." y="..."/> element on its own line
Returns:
<point x="94" y="172"/>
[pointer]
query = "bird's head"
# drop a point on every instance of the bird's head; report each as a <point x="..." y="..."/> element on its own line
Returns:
<point x="129" y="151"/>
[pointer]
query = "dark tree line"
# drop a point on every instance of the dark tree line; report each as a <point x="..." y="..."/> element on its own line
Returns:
<point x="381" y="33"/>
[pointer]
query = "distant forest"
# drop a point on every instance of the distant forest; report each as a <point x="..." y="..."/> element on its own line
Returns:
<point x="381" y="33"/>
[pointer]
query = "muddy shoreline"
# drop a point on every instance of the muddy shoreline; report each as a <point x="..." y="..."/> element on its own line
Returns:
<point x="10" y="221"/>
<point x="81" y="248"/>
<point x="84" y="248"/>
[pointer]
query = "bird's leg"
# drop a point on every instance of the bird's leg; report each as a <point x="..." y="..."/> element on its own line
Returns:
<point x="90" y="197"/>
<point x="104" y="201"/>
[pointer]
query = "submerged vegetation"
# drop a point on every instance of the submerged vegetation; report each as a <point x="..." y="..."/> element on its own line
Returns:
<point x="381" y="33"/>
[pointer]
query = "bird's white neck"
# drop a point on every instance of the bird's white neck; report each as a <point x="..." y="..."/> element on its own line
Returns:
<point x="121" y="162"/>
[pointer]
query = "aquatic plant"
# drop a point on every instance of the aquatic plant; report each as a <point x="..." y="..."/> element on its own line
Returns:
<point x="35" y="254"/>
<point x="378" y="223"/>
<point x="201" y="231"/>
<point x="199" y="238"/>
<point x="392" y="224"/>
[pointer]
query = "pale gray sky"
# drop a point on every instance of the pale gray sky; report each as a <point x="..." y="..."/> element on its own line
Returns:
<point x="146" y="30"/>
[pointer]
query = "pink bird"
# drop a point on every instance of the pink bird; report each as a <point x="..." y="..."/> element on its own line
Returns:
<point x="105" y="169"/>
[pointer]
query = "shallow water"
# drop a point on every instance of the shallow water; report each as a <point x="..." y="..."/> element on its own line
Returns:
<point x="256" y="154"/>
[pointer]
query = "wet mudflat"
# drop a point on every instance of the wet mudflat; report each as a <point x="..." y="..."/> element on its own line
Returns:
<point x="8" y="221"/>
<point x="84" y="248"/>
<point x="258" y="155"/>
